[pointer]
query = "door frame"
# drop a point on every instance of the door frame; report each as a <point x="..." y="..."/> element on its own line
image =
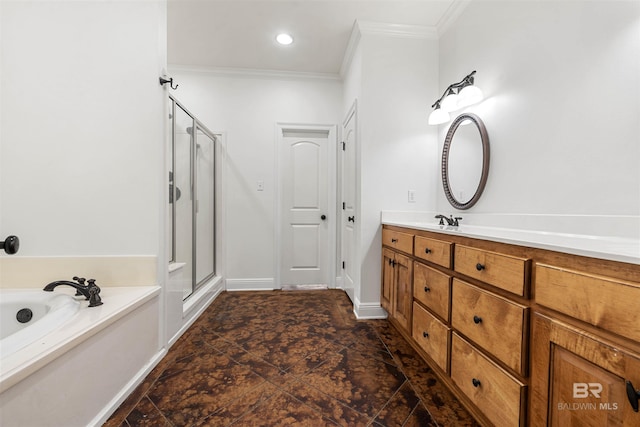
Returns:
<point x="332" y="210"/>
<point x="354" y="293"/>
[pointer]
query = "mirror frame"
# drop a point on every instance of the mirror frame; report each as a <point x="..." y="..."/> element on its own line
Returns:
<point x="445" y="160"/>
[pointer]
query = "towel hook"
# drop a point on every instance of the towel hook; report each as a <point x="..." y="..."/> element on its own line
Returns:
<point x="170" y="81"/>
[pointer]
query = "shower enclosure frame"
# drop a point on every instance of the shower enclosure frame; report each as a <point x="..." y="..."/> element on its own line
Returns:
<point x="196" y="126"/>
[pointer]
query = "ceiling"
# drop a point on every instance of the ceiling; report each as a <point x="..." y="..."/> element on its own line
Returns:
<point x="240" y="34"/>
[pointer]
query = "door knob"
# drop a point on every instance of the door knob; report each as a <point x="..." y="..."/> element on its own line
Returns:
<point x="323" y="217"/>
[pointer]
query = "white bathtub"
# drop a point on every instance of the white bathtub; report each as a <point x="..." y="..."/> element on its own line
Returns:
<point x="48" y="310"/>
<point x="67" y="321"/>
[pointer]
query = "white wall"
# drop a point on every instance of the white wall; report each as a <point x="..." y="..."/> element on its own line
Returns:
<point x="247" y="108"/>
<point x="82" y="152"/>
<point x="394" y="77"/>
<point x="82" y="132"/>
<point x="562" y="88"/>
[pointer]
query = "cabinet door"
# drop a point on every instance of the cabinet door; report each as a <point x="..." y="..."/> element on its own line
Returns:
<point x="578" y="379"/>
<point x="403" y="293"/>
<point x="388" y="273"/>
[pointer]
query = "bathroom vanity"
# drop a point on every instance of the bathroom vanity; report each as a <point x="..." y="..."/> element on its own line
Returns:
<point x="522" y="334"/>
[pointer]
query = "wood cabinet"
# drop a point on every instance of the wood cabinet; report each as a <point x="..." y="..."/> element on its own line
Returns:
<point x="498" y="394"/>
<point x="498" y="269"/>
<point x="522" y="336"/>
<point x="494" y="323"/>
<point x="432" y="289"/>
<point x="432" y="335"/>
<point x="397" y="288"/>
<point x="579" y="379"/>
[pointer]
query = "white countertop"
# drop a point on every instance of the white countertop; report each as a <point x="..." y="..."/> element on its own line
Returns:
<point x="610" y="248"/>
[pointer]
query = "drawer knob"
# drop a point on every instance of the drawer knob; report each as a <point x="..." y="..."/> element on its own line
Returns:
<point x="426" y="335"/>
<point x="477" y="320"/>
<point x="394" y="240"/>
<point x="427" y="289"/>
<point x="479" y="267"/>
<point x="427" y="250"/>
<point x="633" y="395"/>
<point x="475" y="382"/>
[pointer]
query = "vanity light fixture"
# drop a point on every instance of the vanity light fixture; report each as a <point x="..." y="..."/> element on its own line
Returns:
<point x="455" y="96"/>
<point x="284" y="39"/>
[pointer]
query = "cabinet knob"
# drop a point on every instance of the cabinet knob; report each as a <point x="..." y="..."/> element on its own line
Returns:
<point x="425" y="334"/>
<point x="633" y="395"/>
<point x="351" y="218"/>
<point x="427" y="250"/>
<point x="477" y="319"/>
<point x="323" y="217"/>
<point x="427" y="289"/>
<point x="479" y="267"/>
<point x="475" y="382"/>
<point x="394" y="240"/>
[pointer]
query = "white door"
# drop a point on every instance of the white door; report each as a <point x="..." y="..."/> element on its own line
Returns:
<point x="304" y="247"/>
<point x="348" y="220"/>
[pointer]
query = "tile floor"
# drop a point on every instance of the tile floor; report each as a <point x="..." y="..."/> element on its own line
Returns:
<point x="290" y="358"/>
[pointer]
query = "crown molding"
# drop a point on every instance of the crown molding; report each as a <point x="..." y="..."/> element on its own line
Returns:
<point x="377" y="28"/>
<point x="397" y="30"/>
<point x="451" y="15"/>
<point x="352" y="46"/>
<point x="252" y="72"/>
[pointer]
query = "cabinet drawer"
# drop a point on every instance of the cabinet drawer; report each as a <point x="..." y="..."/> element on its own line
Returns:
<point x="431" y="335"/>
<point x="432" y="288"/>
<point x="491" y="321"/>
<point x="497" y="394"/>
<point x="601" y="301"/>
<point x="503" y="271"/>
<point x="436" y="251"/>
<point x="396" y="239"/>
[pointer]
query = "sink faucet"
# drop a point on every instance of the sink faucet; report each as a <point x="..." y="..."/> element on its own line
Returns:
<point x="91" y="291"/>
<point x="450" y="221"/>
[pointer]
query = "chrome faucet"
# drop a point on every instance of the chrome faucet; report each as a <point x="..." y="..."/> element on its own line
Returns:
<point x="91" y="291"/>
<point x="451" y="221"/>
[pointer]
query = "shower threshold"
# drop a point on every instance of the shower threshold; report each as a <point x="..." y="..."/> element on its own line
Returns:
<point x="304" y="287"/>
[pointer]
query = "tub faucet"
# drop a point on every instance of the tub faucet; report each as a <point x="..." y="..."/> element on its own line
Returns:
<point x="91" y="291"/>
<point x="450" y="221"/>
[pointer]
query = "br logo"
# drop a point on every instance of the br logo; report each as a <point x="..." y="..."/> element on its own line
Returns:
<point x="583" y="390"/>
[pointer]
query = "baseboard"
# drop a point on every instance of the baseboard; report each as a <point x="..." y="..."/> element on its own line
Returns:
<point x="370" y="310"/>
<point x="263" y="284"/>
<point x="115" y="403"/>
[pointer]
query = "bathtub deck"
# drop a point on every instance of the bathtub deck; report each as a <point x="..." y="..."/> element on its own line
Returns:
<point x="118" y="302"/>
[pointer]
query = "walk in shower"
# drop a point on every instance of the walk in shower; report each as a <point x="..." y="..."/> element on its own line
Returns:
<point x="192" y="175"/>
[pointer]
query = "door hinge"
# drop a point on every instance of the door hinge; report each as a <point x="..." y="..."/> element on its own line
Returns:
<point x="343" y="265"/>
<point x="344" y="146"/>
<point x="344" y="205"/>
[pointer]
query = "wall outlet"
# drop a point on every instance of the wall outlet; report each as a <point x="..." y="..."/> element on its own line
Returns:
<point x="412" y="196"/>
<point x="260" y="185"/>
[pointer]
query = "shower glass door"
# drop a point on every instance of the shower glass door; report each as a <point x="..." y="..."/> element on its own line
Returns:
<point x="191" y="202"/>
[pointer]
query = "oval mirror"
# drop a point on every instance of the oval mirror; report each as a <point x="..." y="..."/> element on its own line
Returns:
<point x="465" y="161"/>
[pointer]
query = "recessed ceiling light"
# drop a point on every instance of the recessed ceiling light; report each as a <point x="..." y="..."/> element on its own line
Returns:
<point x="284" y="39"/>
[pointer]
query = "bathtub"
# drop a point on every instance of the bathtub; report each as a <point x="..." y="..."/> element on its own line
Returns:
<point x="60" y="323"/>
<point x="30" y="314"/>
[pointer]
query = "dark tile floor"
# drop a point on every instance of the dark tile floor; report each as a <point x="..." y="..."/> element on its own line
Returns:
<point x="290" y="358"/>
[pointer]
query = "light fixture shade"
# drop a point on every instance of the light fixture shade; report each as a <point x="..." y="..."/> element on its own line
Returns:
<point x="469" y="95"/>
<point x="284" y="39"/>
<point x="438" y="116"/>
<point x="450" y="102"/>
